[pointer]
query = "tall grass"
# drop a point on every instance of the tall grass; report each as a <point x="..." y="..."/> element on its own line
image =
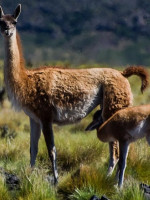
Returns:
<point x="82" y="161"/>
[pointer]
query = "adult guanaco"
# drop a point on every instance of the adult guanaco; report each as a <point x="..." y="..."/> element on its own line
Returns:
<point x="53" y="95"/>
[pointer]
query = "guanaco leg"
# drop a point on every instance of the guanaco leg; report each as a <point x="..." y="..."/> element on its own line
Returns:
<point x="35" y="132"/>
<point x="49" y="139"/>
<point x="124" y="148"/>
<point x="114" y="156"/>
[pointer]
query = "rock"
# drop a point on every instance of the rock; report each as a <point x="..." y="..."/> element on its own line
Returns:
<point x="94" y="198"/>
<point x="147" y="196"/>
<point x="97" y="198"/>
<point x="146" y="189"/>
<point x="11" y="180"/>
<point x="104" y="198"/>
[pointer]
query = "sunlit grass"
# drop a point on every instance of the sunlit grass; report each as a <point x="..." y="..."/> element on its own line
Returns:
<point x="3" y="190"/>
<point x="89" y="178"/>
<point x="130" y="191"/>
<point x="35" y="186"/>
<point x="82" y="161"/>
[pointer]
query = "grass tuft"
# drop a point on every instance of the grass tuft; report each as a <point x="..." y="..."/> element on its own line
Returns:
<point x="87" y="177"/>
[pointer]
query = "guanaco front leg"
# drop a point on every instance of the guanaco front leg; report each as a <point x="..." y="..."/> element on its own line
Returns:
<point x="49" y="139"/>
<point x="114" y="156"/>
<point x="35" y="132"/>
<point x="124" y="148"/>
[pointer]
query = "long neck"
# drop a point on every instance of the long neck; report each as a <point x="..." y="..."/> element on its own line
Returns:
<point x="14" y="71"/>
<point x="14" y="62"/>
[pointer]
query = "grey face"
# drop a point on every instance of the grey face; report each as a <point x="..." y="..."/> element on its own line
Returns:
<point x="7" y="25"/>
<point x="8" y="22"/>
<point x="97" y="121"/>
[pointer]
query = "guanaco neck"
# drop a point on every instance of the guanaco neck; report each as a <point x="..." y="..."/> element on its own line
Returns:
<point x="14" y="61"/>
<point x="14" y="70"/>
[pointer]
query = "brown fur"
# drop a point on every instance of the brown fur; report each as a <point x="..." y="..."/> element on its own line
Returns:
<point x="141" y="72"/>
<point x="118" y="126"/>
<point x="42" y="89"/>
<point x="125" y="126"/>
<point x="53" y="95"/>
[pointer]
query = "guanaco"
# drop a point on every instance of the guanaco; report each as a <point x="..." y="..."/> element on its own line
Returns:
<point x="52" y="95"/>
<point x="126" y="126"/>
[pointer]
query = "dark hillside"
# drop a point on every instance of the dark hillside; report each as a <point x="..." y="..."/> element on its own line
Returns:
<point x="85" y="31"/>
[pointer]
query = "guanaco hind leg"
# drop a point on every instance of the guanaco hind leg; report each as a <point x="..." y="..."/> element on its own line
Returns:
<point x="114" y="157"/>
<point x="35" y="132"/>
<point x="124" y="147"/>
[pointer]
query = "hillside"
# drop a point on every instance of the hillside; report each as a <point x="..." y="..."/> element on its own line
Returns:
<point x="84" y="31"/>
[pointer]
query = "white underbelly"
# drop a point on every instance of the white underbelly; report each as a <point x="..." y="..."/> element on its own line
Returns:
<point x="76" y="112"/>
<point x="138" y="131"/>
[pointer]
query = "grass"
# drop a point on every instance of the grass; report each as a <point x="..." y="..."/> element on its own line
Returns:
<point x="82" y="161"/>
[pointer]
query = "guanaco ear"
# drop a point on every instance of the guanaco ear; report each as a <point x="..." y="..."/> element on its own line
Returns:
<point x="17" y="12"/>
<point x="1" y="12"/>
<point x="93" y="125"/>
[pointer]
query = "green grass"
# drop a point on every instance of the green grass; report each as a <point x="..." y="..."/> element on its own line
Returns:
<point x="82" y="161"/>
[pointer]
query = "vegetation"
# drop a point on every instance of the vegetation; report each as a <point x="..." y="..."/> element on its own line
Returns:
<point x="75" y="32"/>
<point x="82" y="160"/>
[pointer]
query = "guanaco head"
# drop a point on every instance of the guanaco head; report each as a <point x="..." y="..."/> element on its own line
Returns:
<point x="97" y="121"/>
<point x="8" y="22"/>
